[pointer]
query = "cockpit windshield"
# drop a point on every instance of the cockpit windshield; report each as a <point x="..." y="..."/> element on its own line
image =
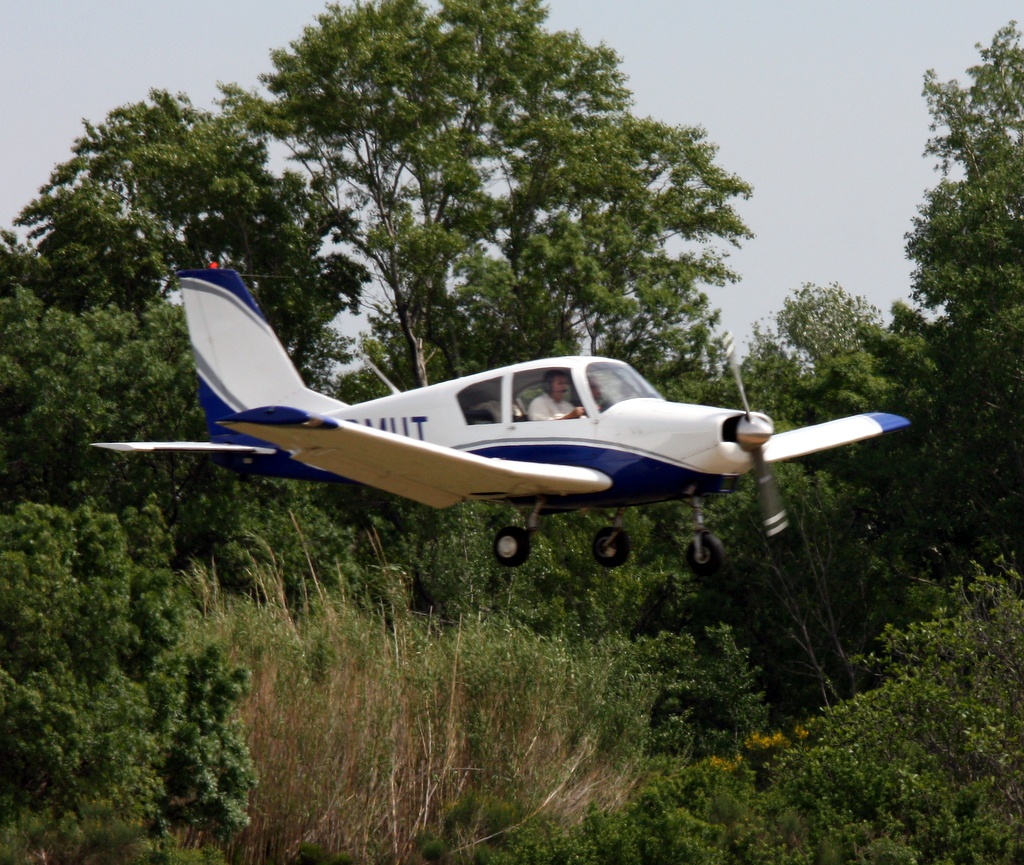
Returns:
<point x="612" y="383"/>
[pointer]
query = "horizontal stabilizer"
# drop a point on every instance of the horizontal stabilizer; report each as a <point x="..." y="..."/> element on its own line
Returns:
<point x="189" y="447"/>
<point x="418" y="470"/>
<point x="811" y="439"/>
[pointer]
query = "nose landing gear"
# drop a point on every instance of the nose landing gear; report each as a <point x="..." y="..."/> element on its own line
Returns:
<point x="705" y="555"/>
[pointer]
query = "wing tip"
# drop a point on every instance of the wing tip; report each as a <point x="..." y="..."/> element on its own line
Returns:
<point x="889" y="422"/>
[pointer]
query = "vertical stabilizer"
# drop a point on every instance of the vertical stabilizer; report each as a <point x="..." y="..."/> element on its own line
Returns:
<point x="240" y="361"/>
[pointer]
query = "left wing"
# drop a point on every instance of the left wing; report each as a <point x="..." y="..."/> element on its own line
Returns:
<point x="820" y="437"/>
<point x="418" y="470"/>
<point x="189" y="447"/>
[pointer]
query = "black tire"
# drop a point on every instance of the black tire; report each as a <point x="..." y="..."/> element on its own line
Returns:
<point x="611" y="547"/>
<point x="711" y="558"/>
<point x="512" y="546"/>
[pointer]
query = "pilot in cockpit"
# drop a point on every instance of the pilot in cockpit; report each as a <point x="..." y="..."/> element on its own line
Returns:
<point x="552" y="404"/>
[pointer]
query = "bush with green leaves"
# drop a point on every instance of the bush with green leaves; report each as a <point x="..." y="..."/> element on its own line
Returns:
<point x="933" y="758"/>
<point x="707" y="701"/>
<point x="99" y="702"/>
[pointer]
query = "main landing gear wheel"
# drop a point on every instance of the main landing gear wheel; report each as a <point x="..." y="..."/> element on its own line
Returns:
<point x="705" y="555"/>
<point x="512" y="546"/>
<point x="611" y="547"/>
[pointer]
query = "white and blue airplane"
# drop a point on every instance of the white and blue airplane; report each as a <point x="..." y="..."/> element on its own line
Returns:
<point x="558" y="434"/>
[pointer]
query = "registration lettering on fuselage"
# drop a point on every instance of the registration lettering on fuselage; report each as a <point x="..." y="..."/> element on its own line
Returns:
<point x="400" y="425"/>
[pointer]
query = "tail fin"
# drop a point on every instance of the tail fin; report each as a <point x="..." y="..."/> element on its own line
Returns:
<point x="240" y="361"/>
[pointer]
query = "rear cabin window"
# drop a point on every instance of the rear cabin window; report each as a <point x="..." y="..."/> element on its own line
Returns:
<point x="481" y="402"/>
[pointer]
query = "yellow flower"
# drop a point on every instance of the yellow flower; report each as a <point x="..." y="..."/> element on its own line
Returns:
<point x="765" y="742"/>
<point x="725" y="764"/>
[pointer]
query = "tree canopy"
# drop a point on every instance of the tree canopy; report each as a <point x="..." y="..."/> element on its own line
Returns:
<point x="480" y="184"/>
<point x="99" y="699"/>
<point x="498" y="185"/>
<point x="969" y="309"/>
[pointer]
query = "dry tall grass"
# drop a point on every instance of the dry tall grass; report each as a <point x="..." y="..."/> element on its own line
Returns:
<point x="374" y="732"/>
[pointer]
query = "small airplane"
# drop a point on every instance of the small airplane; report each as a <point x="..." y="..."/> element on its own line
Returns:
<point x="551" y="435"/>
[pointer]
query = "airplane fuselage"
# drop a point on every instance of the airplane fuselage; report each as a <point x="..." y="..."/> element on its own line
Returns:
<point x="652" y="450"/>
<point x="558" y="434"/>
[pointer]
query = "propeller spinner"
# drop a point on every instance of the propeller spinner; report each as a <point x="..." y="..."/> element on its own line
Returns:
<point x="752" y="433"/>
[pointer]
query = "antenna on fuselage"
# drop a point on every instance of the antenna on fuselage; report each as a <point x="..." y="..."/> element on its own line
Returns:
<point x="378" y="373"/>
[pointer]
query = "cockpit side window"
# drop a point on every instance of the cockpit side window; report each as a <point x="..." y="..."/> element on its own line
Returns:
<point x="481" y="402"/>
<point x="612" y="383"/>
<point x="546" y="393"/>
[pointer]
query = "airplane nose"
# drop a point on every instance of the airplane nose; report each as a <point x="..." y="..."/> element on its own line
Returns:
<point x="753" y="431"/>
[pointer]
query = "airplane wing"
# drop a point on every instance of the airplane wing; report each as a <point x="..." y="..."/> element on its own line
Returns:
<point x="820" y="437"/>
<point x="189" y="447"/>
<point x="418" y="470"/>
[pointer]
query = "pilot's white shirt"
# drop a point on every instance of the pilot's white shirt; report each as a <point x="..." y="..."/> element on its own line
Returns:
<point x="544" y="407"/>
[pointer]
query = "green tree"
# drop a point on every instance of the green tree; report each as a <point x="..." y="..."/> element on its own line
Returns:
<point x="924" y="768"/>
<point x="92" y="351"/>
<point x="110" y="375"/>
<point x="811" y="601"/>
<point x="929" y="763"/>
<point x="499" y="185"/>
<point x="161" y="185"/>
<point x="817" y="323"/>
<point x="608" y="253"/>
<point x="817" y="357"/>
<point x="706" y="702"/>
<point x="99" y="702"/>
<point x="969" y="293"/>
<point x="71" y="379"/>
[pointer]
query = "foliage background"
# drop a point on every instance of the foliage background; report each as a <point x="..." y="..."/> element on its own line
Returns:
<point x="200" y="668"/>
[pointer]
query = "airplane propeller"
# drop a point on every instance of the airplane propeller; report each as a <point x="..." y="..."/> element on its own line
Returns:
<point x="752" y="433"/>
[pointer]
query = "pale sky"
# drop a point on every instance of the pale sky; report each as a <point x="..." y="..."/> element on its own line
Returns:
<point x="816" y="103"/>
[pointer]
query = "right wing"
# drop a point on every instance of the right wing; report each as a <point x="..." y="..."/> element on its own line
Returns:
<point x="822" y="436"/>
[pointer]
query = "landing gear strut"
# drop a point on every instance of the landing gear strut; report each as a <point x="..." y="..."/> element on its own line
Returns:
<point x="512" y="543"/>
<point x="705" y="554"/>
<point x="611" y="545"/>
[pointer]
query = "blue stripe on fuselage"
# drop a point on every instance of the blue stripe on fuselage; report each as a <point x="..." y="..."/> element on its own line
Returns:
<point x="636" y="479"/>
